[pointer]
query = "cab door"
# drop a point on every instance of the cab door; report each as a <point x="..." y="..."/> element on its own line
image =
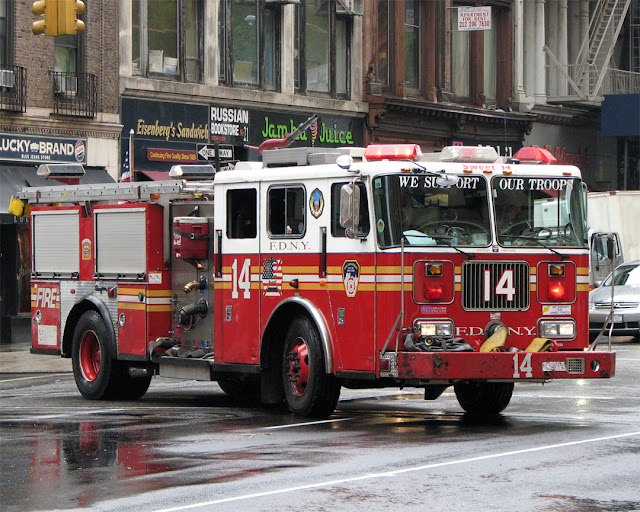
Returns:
<point x="352" y="287"/>
<point x="237" y="274"/>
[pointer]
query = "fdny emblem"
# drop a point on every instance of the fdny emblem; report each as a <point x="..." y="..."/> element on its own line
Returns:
<point x="316" y="203"/>
<point x="351" y="277"/>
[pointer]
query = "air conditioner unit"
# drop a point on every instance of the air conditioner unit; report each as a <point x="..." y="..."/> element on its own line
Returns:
<point x="67" y="85"/>
<point x="350" y="7"/>
<point x="7" y="78"/>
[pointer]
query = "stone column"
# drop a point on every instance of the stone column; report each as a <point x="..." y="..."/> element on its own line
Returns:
<point x="540" y="70"/>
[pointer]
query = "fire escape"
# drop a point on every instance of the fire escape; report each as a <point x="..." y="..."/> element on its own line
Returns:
<point x="591" y="76"/>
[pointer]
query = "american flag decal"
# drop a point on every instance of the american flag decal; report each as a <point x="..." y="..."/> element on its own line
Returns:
<point x="272" y="277"/>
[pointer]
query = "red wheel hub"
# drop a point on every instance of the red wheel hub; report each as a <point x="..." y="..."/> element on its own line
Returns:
<point x="90" y="356"/>
<point x="298" y="369"/>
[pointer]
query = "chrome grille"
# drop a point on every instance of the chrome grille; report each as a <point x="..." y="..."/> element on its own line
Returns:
<point x="474" y="287"/>
<point x="616" y="305"/>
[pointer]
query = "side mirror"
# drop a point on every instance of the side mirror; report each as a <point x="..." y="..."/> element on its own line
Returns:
<point x="350" y="209"/>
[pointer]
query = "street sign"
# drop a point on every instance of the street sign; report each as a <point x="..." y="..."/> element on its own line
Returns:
<point x="208" y="152"/>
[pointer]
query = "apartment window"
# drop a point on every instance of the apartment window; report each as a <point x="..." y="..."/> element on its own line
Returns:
<point x="5" y="54"/>
<point x="66" y="54"/>
<point x="412" y="44"/>
<point x="322" y="48"/>
<point x="405" y="55"/>
<point x="476" y="57"/>
<point x="248" y="45"/>
<point x="167" y="38"/>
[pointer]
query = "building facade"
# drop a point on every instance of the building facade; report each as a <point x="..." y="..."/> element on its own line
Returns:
<point x="58" y="104"/>
<point x="219" y="77"/>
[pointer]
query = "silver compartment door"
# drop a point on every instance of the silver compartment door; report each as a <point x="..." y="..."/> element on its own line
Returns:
<point x="121" y="241"/>
<point x="56" y="242"/>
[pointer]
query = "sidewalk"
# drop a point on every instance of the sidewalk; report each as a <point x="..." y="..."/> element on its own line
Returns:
<point x="16" y="358"/>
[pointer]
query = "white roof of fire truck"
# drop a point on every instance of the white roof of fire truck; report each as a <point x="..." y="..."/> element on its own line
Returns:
<point x="294" y="164"/>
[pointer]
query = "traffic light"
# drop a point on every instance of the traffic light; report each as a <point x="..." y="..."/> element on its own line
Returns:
<point x="49" y="25"/>
<point x="68" y="22"/>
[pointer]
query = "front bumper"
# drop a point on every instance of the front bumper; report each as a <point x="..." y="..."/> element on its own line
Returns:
<point x="625" y="324"/>
<point x="503" y="366"/>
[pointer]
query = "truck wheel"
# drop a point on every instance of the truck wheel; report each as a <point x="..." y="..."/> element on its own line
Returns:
<point x="241" y="389"/>
<point x="92" y="358"/>
<point x="127" y="387"/>
<point x="309" y="390"/>
<point x="483" y="398"/>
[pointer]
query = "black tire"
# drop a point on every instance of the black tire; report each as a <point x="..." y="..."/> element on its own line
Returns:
<point x="483" y="398"/>
<point x="126" y="386"/>
<point x="241" y="388"/>
<point x="93" y="358"/>
<point x="309" y="391"/>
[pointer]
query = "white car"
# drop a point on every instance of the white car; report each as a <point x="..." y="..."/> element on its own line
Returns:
<point x="626" y="302"/>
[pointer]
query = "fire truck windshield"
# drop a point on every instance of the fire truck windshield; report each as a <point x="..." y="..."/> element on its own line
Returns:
<point x="539" y="211"/>
<point x="413" y="206"/>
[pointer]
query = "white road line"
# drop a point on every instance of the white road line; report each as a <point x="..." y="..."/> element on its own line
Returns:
<point x="372" y="476"/>
<point x="274" y="427"/>
<point x="35" y="377"/>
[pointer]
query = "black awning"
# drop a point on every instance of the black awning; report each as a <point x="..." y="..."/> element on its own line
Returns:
<point x="13" y="178"/>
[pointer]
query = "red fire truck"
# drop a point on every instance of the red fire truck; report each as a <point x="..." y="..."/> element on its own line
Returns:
<point x="317" y="269"/>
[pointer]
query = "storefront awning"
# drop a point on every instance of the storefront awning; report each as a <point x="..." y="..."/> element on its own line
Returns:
<point x="13" y="178"/>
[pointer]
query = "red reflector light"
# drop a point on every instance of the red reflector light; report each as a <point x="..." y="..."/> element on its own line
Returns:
<point x="534" y="155"/>
<point x="385" y="365"/>
<point x="392" y="152"/>
<point x="556" y="290"/>
<point x="433" y="291"/>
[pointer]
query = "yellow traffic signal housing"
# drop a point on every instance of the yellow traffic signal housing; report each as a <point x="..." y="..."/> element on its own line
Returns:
<point x="68" y="11"/>
<point x="49" y="25"/>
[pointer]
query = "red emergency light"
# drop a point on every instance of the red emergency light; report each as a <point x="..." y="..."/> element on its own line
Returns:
<point x="556" y="290"/>
<point x="392" y="152"/>
<point x="535" y="155"/>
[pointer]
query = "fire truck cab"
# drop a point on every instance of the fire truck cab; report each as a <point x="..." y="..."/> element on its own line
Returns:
<point x="315" y="269"/>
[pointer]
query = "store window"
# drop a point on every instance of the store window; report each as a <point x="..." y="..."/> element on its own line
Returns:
<point x="248" y="44"/>
<point x="322" y="47"/>
<point x="167" y="38"/>
<point x="475" y="56"/>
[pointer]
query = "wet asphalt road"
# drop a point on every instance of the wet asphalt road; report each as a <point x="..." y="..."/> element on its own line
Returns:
<point x="565" y="446"/>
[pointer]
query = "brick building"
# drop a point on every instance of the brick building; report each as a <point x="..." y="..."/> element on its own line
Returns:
<point x="58" y="103"/>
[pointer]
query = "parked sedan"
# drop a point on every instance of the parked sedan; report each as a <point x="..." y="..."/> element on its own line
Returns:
<point x="626" y="302"/>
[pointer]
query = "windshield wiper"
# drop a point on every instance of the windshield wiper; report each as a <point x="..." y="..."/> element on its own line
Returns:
<point x="532" y="239"/>
<point x="445" y="238"/>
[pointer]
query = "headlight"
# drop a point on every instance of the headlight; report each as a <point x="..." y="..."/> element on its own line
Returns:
<point x="436" y="328"/>
<point x="557" y="329"/>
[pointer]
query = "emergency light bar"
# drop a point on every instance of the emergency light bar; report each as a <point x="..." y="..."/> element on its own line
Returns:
<point x="69" y="174"/>
<point x="475" y="154"/>
<point x="535" y="155"/>
<point x="56" y="171"/>
<point x="392" y="152"/>
<point x="193" y="172"/>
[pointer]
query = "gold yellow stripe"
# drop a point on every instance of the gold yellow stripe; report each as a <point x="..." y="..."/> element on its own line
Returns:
<point x="159" y="308"/>
<point x="128" y="305"/>
<point x="583" y="287"/>
<point x="583" y="271"/>
<point x="124" y="290"/>
<point x="158" y="293"/>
